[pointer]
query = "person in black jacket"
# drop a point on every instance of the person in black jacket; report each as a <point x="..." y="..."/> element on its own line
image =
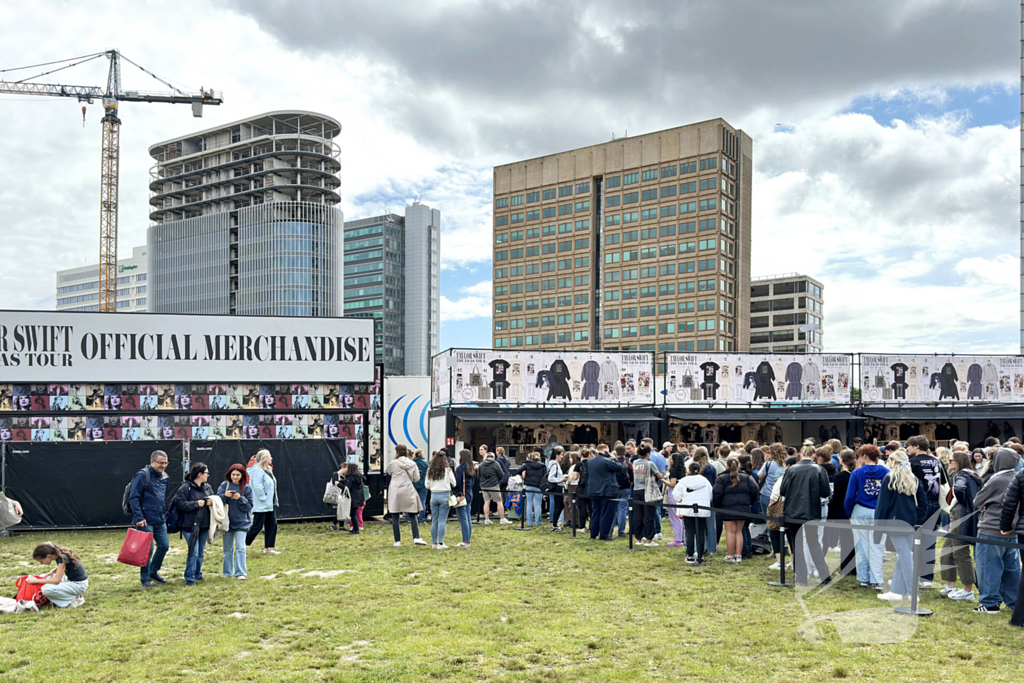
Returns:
<point x="1013" y="506"/>
<point x="835" y="535"/>
<point x="803" y="487"/>
<point x="350" y="478"/>
<point x="534" y="475"/>
<point x="191" y="502"/>
<point x="734" y="491"/>
<point x="602" y="486"/>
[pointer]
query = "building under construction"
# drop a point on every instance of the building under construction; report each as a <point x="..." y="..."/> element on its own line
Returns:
<point x="246" y="219"/>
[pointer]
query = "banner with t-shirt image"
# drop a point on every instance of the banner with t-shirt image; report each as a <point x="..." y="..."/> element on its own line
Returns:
<point x="922" y="378"/>
<point x="757" y="378"/>
<point x="534" y="377"/>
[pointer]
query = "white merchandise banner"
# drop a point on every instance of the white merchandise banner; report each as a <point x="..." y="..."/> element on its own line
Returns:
<point x="41" y="347"/>
<point x="905" y="378"/>
<point x="757" y="378"/>
<point x="588" y="377"/>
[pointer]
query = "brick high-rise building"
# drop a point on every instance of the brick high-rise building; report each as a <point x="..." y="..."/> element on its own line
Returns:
<point x="638" y="244"/>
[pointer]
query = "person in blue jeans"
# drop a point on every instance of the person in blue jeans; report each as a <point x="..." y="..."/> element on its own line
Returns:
<point x="194" y="513"/>
<point x="900" y="498"/>
<point x="625" y="490"/>
<point x="465" y="473"/>
<point x="534" y="473"/>
<point x="440" y="482"/>
<point x="998" y="567"/>
<point x="146" y="499"/>
<point x="237" y="496"/>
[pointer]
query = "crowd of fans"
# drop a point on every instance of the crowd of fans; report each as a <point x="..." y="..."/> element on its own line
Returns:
<point x="872" y="496"/>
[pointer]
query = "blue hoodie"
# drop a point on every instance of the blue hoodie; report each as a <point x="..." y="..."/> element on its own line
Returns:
<point x="239" y="511"/>
<point x="865" y="485"/>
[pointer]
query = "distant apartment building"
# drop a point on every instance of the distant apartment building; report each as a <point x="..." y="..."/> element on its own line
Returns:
<point x="78" y="288"/>
<point x="637" y="244"/>
<point x="393" y="275"/>
<point x="786" y="314"/>
<point x="246" y="219"/>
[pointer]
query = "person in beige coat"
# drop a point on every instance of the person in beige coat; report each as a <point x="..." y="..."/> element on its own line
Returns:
<point x="402" y="495"/>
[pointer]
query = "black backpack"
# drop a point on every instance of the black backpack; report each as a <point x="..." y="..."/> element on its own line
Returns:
<point x="126" y="507"/>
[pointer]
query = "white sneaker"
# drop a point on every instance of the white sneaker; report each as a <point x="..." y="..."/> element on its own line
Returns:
<point x="271" y="551"/>
<point x="418" y="541"/>
<point x="650" y="544"/>
<point x="657" y="537"/>
<point x="774" y="567"/>
<point x="505" y="521"/>
<point x="814" y="573"/>
<point x="442" y="546"/>
<point x="949" y="591"/>
<point x="77" y="602"/>
<point x="967" y="596"/>
<point x="487" y="521"/>
<point x="925" y="584"/>
<point x="462" y="545"/>
<point x="889" y="596"/>
<point x="398" y="544"/>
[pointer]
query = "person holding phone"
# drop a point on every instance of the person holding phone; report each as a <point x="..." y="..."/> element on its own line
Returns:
<point x="237" y="496"/>
<point x="191" y="503"/>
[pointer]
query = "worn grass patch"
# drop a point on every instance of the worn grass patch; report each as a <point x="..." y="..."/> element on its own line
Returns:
<point x="517" y="606"/>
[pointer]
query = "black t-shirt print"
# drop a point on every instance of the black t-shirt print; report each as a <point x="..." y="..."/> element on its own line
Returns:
<point x="710" y="371"/>
<point x="899" y="371"/>
<point x="499" y="369"/>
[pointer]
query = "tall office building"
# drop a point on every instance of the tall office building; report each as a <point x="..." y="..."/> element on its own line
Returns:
<point x="786" y="314"/>
<point x="78" y="288"/>
<point x="393" y="275"/>
<point x="246" y="219"/>
<point x="638" y="244"/>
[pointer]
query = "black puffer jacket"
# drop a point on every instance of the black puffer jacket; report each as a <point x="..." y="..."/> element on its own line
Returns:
<point x="534" y="474"/>
<point x="186" y="500"/>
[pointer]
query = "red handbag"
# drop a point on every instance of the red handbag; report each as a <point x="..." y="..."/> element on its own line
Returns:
<point x="136" y="548"/>
<point x="27" y="591"/>
<point x="33" y="592"/>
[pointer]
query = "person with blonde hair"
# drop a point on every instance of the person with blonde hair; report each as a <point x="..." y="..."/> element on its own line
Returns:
<point x="901" y="495"/>
<point x="265" y="502"/>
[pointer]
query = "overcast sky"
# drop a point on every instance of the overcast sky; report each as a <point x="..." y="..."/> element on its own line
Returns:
<point x="893" y="177"/>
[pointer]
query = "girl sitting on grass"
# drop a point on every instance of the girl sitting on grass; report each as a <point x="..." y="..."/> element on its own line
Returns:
<point x="64" y="585"/>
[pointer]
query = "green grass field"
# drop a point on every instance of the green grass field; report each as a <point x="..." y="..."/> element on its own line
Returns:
<point x="517" y="606"/>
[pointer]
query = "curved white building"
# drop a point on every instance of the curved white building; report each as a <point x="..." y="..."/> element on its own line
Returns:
<point x="246" y="219"/>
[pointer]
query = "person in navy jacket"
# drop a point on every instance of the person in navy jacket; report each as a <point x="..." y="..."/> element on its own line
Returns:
<point x="602" y="487"/>
<point x="146" y="498"/>
<point x="899" y="500"/>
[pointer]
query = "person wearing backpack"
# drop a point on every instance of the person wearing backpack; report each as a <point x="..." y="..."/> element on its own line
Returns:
<point x="145" y="497"/>
<point x="191" y="501"/>
<point x="237" y="496"/>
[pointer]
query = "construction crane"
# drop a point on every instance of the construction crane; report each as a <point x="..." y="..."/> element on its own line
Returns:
<point x="111" y="152"/>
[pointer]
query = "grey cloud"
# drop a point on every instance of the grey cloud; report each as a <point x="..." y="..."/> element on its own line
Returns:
<point x="486" y="67"/>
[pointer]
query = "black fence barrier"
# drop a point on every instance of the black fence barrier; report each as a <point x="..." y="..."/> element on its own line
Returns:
<point x="76" y="484"/>
<point x="302" y="468"/>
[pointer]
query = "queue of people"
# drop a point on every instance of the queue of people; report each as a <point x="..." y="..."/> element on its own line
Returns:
<point x="875" y="497"/>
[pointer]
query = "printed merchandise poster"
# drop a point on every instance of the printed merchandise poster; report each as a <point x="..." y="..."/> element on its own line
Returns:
<point x="757" y="378"/>
<point x="550" y="376"/>
<point x="952" y="379"/>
